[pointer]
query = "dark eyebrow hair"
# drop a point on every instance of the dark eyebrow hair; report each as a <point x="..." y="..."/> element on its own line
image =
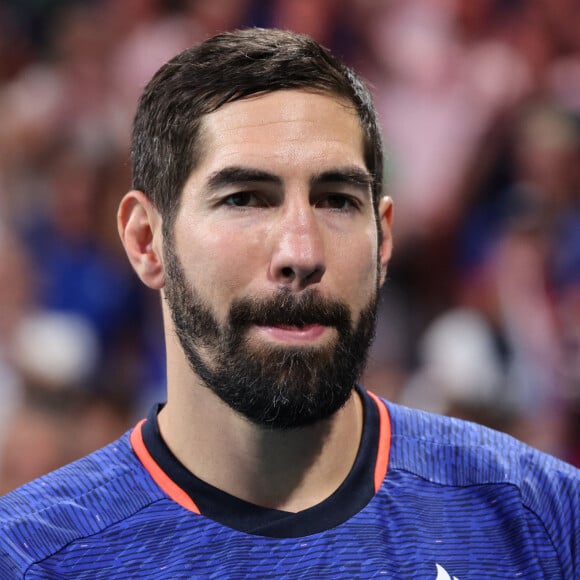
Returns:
<point x="346" y="175"/>
<point x="237" y="175"/>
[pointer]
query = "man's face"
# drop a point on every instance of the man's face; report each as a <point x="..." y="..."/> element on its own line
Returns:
<point x="272" y="271"/>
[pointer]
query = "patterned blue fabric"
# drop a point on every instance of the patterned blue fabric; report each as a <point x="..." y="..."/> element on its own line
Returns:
<point x="459" y="502"/>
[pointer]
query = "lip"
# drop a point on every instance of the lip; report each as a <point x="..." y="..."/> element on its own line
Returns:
<point x="283" y="333"/>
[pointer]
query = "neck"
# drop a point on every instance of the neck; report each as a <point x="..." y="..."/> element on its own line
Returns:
<point x="289" y="470"/>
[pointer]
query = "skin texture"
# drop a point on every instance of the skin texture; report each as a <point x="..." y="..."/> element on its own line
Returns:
<point x="292" y="228"/>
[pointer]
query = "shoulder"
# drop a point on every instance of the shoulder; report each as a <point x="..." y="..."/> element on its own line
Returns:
<point x="452" y="452"/>
<point x="492" y="487"/>
<point x="76" y="501"/>
<point x="465" y="453"/>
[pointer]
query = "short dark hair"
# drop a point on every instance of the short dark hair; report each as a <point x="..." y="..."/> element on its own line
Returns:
<point x="230" y="66"/>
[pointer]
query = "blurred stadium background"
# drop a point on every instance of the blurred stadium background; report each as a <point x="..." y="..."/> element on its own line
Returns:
<point x="480" y="107"/>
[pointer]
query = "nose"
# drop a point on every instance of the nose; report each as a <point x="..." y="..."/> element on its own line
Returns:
<point x="298" y="257"/>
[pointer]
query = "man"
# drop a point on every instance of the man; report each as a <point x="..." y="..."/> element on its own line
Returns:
<point x="257" y="210"/>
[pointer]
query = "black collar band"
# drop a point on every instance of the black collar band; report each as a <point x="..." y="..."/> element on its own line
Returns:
<point x="352" y="495"/>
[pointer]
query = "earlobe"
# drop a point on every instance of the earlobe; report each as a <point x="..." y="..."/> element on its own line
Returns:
<point x="139" y="225"/>
<point x="385" y="223"/>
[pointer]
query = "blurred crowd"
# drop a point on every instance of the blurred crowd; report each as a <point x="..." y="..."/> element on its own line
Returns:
<point x="479" y="103"/>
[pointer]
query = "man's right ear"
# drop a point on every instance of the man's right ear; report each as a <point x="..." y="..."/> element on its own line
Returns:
<point x="139" y="225"/>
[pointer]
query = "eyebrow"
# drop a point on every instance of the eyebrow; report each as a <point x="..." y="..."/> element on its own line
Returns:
<point x="353" y="176"/>
<point x="236" y="175"/>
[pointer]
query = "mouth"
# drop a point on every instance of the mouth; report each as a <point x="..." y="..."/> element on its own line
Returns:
<point x="293" y="334"/>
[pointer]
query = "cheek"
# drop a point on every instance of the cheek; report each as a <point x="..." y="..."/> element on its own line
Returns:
<point x="218" y="261"/>
<point x="358" y="269"/>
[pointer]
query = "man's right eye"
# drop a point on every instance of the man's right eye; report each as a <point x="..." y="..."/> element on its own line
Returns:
<point x="241" y="199"/>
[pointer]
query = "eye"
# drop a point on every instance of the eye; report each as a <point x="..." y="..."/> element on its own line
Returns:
<point x="242" y="199"/>
<point x="338" y="201"/>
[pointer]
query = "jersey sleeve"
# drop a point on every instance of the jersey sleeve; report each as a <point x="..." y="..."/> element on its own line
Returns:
<point x="551" y="490"/>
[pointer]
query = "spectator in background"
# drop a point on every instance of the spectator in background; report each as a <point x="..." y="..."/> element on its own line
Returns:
<point x="524" y="269"/>
<point x="15" y="305"/>
<point x="47" y="360"/>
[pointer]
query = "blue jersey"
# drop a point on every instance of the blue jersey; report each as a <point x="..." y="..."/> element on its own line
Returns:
<point x="428" y="497"/>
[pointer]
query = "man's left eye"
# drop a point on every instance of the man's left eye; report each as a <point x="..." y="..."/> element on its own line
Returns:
<point x="337" y="201"/>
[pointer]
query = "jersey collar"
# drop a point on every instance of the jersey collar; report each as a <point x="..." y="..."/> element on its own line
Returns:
<point x="197" y="496"/>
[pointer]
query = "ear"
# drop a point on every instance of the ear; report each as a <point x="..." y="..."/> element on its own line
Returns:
<point x="139" y="225"/>
<point x="385" y="223"/>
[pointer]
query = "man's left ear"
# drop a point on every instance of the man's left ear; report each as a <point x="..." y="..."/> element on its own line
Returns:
<point x="385" y="223"/>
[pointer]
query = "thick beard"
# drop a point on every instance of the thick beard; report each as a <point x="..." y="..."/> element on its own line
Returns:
<point x="277" y="387"/>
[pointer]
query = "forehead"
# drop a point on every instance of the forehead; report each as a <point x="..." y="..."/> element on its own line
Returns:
<point x="287" y="129"/>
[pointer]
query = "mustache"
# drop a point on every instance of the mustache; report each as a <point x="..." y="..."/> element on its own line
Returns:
<point x="288" y="309"/>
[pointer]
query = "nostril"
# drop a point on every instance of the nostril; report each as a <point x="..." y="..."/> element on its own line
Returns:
<point x="287" y="272"/>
